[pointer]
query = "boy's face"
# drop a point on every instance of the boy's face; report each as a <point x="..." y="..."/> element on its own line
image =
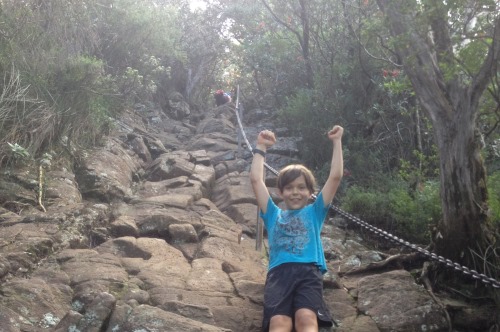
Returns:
<point x="296" y="194"/>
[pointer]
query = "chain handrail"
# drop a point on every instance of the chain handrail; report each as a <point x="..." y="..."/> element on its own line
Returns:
<point x="377" y="231"/>
<point x="465" y="270"/>
<point x="249" y="146"/>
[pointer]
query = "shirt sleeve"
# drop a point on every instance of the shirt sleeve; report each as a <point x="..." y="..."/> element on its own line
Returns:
<point x="271" y="213"/>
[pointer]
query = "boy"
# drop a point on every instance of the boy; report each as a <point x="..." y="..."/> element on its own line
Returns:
<point x="293" y="294"/>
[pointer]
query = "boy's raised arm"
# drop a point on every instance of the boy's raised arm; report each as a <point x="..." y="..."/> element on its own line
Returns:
<point x="265" y="139"/>
<point x="336" y="167"/>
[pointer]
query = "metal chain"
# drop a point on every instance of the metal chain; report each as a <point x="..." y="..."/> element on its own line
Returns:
<point x="249" y="146"/>
<point x="465" y="270"/>
<point x="449" y="263"/>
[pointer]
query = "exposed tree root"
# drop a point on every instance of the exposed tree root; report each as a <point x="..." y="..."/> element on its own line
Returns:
<point x="390" y="261"/>
<point x="424" y="277"/>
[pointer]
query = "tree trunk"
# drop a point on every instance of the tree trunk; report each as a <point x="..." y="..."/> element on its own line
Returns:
<point x="304" y="43"/>
<point x="418" y="139"/>
<point x="452" y="106"/>
<point x="463" y="186"/>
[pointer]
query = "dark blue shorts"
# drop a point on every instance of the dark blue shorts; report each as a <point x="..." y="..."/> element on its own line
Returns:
<point x="293" y="286"/>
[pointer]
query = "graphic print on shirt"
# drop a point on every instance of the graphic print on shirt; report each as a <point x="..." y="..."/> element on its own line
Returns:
<point x="290" y="234"/>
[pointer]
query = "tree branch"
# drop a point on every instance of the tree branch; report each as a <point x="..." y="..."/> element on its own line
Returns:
<point x="490" y="65"/>
<point x="283" y="23"/>
<point x="419" y="60"/>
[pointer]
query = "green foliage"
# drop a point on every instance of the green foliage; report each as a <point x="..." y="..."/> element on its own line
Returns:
<point x="18" y="153"/>
<point x="425" y="166"/>
<point x="367" y="205"/>
<point x="396" y="208"/>
<point x="86" y="100"/>
<point x="298" y="110"/>
<point x="140" y="85"/>
<point x="367" y="166"/>
<point x="72" y="65"/>
<point x="397" y="84"/>
<point x="493" y="185"/>
<point x="25" y="120"/>
<point x="310" y="118"/>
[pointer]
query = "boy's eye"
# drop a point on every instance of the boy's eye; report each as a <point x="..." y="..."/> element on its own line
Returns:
<point x="292" y="188"/>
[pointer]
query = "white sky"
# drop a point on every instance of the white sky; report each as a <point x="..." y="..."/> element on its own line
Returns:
<point x="197" y="4"/>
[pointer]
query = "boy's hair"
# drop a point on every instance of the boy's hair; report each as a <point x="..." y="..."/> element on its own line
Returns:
<point x="291" y="172"/>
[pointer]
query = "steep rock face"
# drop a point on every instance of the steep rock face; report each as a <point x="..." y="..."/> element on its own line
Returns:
<point x="155" y="231"/>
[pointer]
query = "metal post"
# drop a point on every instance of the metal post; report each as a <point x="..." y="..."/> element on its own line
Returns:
<point x="259" y="233"/>
<point x="260" y="227"/>
<point x="240" y="134"/>
<point x="239" y="109"/>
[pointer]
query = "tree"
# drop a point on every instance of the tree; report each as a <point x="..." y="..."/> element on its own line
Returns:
<point x="204" y="43"/>
<point x="430" y="37"/>
<point x="299" y="11"/>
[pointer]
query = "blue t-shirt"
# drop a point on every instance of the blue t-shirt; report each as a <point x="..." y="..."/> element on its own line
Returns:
<point x="295" y="235"/>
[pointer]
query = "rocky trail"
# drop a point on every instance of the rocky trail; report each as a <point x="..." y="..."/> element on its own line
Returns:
<point x="155" y="231"/>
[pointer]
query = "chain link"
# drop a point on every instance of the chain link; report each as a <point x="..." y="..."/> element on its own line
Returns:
<point x="449" y="263"/>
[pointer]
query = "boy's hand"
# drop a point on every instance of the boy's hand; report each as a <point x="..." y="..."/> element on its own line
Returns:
<point x="266" y="138"/>
<point x="335" y="133"/>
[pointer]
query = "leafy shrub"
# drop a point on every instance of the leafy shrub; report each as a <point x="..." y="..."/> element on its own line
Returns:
<point x="139" y="85"/>
<point x="18" y="153"/>
<point x="58" y="89"/>
<point x="76" y="101"/>
<point x="87" y="99"/>
<point x="368" y="205"/>
<point x="493" y="185"/>
<point x="26" y="121"/>
<point x="396" y="208"/>
<point x="422" y="209"/>
<point x="310" y="117"/>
